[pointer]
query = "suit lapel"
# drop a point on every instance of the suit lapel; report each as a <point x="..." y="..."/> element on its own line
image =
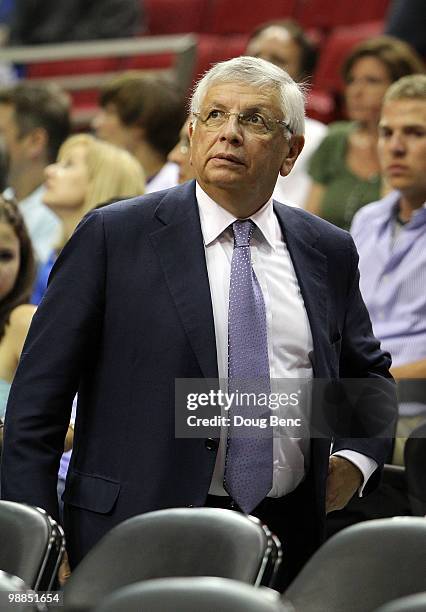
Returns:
<point x="179" y="245"/>
<point x="310" y="265"/>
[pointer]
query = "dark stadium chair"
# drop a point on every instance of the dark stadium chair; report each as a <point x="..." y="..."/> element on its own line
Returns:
<point x="192" y="595"/>
<point x="12" y="589"/>
<point x="364" y="567"/>
<point x="412" y="603"/>
<point x="176" y="542"/>
<point x="415" y="468"/>
<point x="31" y="544"/>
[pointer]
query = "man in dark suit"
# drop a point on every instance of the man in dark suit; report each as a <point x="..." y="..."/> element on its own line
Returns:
<point x="139" y="298"/>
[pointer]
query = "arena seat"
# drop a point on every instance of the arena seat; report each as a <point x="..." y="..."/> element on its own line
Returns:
<point x="176" y="542"/>
<point x="14" y="594"/>
<point x="370" y="563"/>
<point x="171" y="17"/>
<point x="49" y="69"/>
<point x="329" y="14"/>
<point x="212" y="49"/>
<point x="192" y="595"/>
<point x="324" y="101"/>
<point x="242" y="16"/>
<point x="335" y="49"/>
<point x="412" y="603"/>
<point x="415" y="466"/>
<point x="32" y="544"/>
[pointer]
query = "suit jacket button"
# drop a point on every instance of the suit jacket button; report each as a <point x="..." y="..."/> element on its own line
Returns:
<point x="212" y="444"/>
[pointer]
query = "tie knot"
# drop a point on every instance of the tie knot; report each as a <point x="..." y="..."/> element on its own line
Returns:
<point x="242" y="232"/>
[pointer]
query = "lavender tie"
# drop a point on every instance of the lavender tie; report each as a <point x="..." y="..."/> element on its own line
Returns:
<point x="249" y="455"/>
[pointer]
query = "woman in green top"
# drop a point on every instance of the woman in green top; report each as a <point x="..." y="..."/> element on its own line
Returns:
<point x="345" y="167"/>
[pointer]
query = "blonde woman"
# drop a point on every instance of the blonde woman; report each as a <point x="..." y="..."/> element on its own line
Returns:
<point x="88" y="172"/>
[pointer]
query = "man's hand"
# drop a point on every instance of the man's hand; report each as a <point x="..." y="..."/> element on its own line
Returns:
<point x="343" y="480"/>
<point x="64" y="570"/>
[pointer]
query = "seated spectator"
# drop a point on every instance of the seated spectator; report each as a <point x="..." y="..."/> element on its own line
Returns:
<point x="143" y="114"/>
<point x="345" y="168"/>
<point x="88" y="172"/>
<point x="285" y="44"/>
<point x="16" y="278"/>
<point x="52" y="21"/>
<point x="391" y="239"/>
<point x="181" y="155"/>
<point x="34" y="121"/>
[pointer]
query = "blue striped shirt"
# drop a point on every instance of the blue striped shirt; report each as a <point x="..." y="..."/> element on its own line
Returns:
<point x="393" y="276"/>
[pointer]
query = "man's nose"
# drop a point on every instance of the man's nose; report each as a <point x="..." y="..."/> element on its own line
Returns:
<point x="232" y="130"/>
<point x="397" y="144"/>
<point x="50" y="170"/>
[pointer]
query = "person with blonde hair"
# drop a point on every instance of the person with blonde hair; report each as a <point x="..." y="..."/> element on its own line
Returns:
<point x="88" y="172"/>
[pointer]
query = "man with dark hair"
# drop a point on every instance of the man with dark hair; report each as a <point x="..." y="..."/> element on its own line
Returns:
<point x="285" y="44"/>
<point x="143" y="114"/>
<point x="34" y="121"/>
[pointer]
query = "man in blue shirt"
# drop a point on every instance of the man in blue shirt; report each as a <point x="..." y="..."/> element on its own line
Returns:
<point x="390" y="236"/>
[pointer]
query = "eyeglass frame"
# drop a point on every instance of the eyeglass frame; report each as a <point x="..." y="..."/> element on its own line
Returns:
<point x="241" y="115"/>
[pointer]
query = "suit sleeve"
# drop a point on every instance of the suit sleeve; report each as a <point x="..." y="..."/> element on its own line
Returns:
<point x="368" y="386"/>
<point x="62" y="341"/>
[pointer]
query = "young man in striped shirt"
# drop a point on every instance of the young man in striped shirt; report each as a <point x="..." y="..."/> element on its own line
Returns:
<point x="390" y="236"/>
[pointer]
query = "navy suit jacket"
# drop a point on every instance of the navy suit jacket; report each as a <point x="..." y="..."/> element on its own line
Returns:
<point x="127" y="311"/>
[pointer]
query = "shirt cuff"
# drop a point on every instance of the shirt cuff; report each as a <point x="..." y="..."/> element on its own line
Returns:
<point x="366" y="465"/>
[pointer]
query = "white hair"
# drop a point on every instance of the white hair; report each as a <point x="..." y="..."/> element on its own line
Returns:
<point x="261" y="74"/>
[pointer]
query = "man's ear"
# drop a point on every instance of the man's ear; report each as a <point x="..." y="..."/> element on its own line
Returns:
<point x="36" y="143"/>
<point x="296" y="145"/>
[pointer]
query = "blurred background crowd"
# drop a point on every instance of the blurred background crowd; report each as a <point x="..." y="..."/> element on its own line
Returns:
<point x="82" y="125"/>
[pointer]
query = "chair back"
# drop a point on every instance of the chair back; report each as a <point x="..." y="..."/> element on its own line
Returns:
<point x="192" y="595"/>
<point x="412" y="603"/>
<point x="11" y="590"/>
<point x="415" y="467"/>
<point x="32" y="544"/>
<point x="176" y="542"/>
<point x="363" y="567"/>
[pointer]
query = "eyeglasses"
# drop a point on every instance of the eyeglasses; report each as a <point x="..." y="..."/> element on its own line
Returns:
<point x="254" y="123"/>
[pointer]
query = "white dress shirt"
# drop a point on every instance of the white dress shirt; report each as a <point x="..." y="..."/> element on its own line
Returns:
<point x="288" y="328"/>
<point x="167" y="177"/>
<point x="294" y="188"/>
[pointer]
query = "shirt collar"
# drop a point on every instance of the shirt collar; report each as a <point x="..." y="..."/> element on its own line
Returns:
<point x="391" y="202"/>
<point x="215" y="220"/>
<point x="418" y="217"/>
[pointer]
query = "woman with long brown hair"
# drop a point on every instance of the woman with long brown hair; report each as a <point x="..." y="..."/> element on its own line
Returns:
<point x="16" y="278"/>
